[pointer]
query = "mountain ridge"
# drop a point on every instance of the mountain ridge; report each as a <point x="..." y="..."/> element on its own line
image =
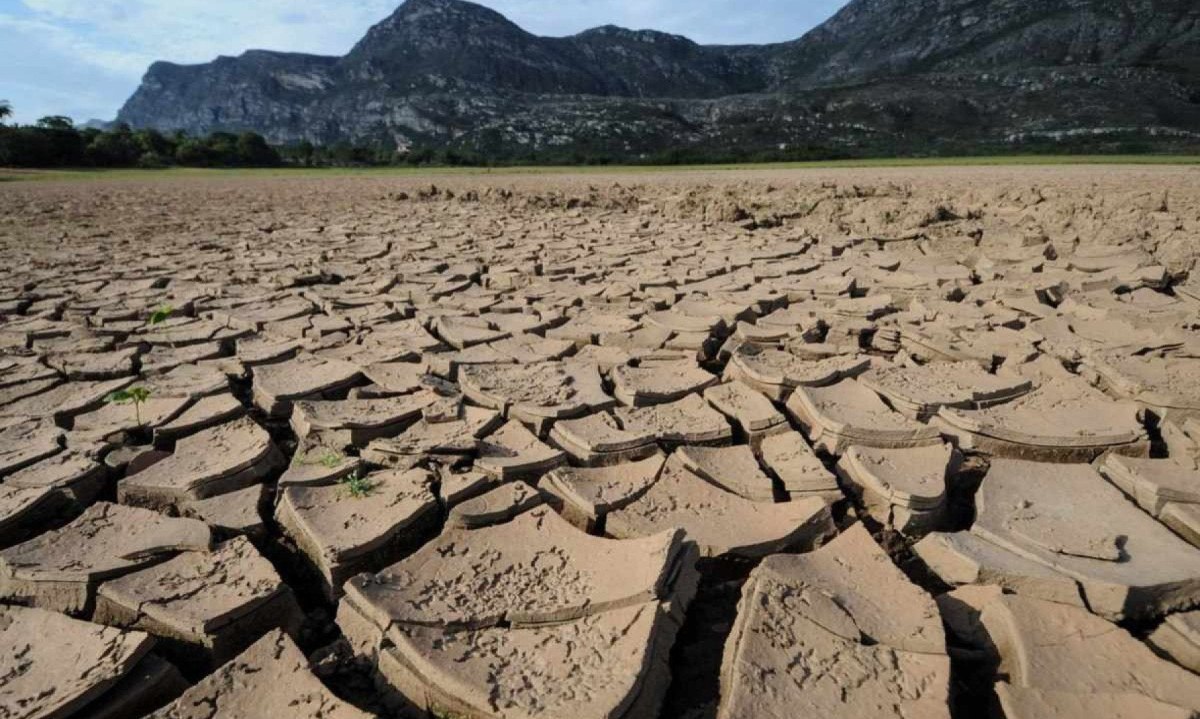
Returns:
<point x="878" y="73"/>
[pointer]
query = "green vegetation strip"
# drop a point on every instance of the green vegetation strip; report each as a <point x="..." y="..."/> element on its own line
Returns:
<point x="300" y="172"/>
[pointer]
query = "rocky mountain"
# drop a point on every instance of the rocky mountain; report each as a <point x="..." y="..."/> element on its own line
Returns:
<point x="873" y="39"/>
<point x="880" y="76"/>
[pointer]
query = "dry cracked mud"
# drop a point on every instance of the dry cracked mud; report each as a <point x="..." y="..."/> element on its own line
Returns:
<point x="897" y="443"/>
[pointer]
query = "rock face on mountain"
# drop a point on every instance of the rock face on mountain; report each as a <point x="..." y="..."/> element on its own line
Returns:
<point x="435" y="44"/>
<point x="880" y="74"/>
<point x="873" y="39"/>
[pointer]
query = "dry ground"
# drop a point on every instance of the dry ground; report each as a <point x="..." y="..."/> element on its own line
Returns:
<point x="907" y="442"/>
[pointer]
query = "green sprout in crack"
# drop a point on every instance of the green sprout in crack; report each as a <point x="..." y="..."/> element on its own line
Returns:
<point x="329" y="459"/>
<point x="357" y="486"/>
<point x="162" y="314"/>
<point x="136" y="396"/>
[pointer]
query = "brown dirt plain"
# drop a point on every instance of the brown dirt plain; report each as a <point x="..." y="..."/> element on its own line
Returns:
<point x="911" y="443"/>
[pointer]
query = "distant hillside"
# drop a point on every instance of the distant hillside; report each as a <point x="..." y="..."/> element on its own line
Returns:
<point x="881" y="75"/>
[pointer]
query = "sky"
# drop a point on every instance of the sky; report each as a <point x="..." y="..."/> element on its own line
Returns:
<point x="84" y="58"/>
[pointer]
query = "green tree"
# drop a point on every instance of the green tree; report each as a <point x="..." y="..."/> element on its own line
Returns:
<point x="223" y="149"/>
<point x="117" y="148"/>
<point x="306" y="151"/>
<point x="253" y="151"/>
<point x="6" y="110"/>
<point x="154" y="142"/>
<point x="62" y="144"/>
<point x="56" y="122"/>
<point x="151" y="161"/>
<point x="193" y="153"/>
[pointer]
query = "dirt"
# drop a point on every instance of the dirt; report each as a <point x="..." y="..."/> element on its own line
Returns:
<point x="690" y="445"/>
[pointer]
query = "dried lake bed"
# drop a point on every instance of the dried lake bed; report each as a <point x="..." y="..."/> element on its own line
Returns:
<point x="907" y="442"/>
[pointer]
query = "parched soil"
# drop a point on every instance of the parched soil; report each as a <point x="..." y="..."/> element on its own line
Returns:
<point x="695" y="445"/>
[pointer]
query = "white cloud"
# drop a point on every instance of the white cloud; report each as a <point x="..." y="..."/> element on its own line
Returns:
<point x="95" y="51"/>
<point x="189" y="31"/>
<point x="707" y="21"/>
<point x="60" y="39"/>
<point x="41" y="73"/>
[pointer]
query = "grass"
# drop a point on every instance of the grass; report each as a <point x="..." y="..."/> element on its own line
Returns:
<point x="328" y="458"/>
<point x="357" y="486"/>
<point x="160" y="315"/>
<point x="176" y="173"/>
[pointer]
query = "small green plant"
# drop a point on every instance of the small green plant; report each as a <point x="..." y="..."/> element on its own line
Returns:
<point x="162" y="314"/>
<point x="329" y="459"/>
<point x="357" y="486"/>
<point x="136" y="396"/>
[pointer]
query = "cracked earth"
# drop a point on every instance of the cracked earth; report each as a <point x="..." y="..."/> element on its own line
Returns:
<point x="744" y="445"/>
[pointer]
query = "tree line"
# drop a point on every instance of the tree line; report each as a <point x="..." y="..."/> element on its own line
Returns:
<point x="55" y="141"/>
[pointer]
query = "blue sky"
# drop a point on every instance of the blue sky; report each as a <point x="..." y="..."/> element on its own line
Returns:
<point x="83" y="58"/>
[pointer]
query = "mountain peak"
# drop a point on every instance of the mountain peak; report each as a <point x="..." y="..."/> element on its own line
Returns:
<point x="451" y="11"/>
<point x="412" y="5"/>
<point x="625" y="33"/>
<point x="419" y="23"/>
<point x="892" y="72"/>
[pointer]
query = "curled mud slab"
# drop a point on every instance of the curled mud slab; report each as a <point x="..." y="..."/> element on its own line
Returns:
<point x="734" y="469"/>
<point x="848" y="413"/>
<point x="750" y="411"/>
<point x="1168" y="489"/>
<point x="61" y="569"/>
<point x="720" y="522"/>
<point x="919" y="392"/>
<point x="537" y="393"/>
<point x="212" y="462"/>
<point x="342" y="533"/>
<point x="838" y="632"/>
<point x="1068" y="520"/>
<point x="687" y="421"/>
<point x="503" y="570"/>
<point x="1049" y="652"/>
<point x="790" y="458"/>
<point x="599" y="439"/>
<point x="600" y="666"/>
<point x="586" y="495"/>
<point x="271" y="678"/>
<point x="659" y="384"/>
<point x="513" y="451"/>
<point x="495" y="507"/>
<point x="905" y="489"/>
<point x="57" y="666"/>
<point x="210" y="603"/>
<point x="277" y="386"/>
<point x="777" y="374"/>
<point x="1063" y="421"/>
<point x="501" y="648"/>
